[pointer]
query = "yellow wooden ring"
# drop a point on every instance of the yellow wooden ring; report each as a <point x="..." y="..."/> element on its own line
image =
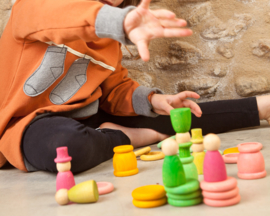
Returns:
<point x="152" y="156"/>
<point x="149" y="193"/>
<point x="231" y="150"/>
<point x="150" y="204"/>
<point x="142" y="151"/>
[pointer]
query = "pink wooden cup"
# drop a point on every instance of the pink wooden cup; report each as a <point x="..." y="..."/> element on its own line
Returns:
<point x="250" y="161"/>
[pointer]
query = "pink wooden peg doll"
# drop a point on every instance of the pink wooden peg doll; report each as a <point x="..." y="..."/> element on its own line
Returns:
<point x="65" y="178"/>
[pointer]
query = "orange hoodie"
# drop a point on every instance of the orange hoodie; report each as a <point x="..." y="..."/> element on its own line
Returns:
<point x="52" y="61"/>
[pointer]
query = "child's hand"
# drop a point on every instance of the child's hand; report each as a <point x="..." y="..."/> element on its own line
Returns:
<point x="142" y="25"/>
<point x="163" y="104"/>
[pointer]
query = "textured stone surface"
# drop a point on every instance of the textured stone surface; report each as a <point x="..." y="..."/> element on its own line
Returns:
<point x="267" y="18"/>
<point x="142" y="77"/>
<point x="219" y="71"/>
<point x="130" y="52"/>
<point x="225" y="50"/>
<point x="186" y="1"/>
<point x="5" y="7"/>
<point x="218" y="29"/>
<point x="226" y="57"/>
<point x="229" y="43"/>
<point x="205" y="87"/>
<point x="180" y="53"/>
<point x="199" y="13"/>
<point x="261" y="48"/>
<point x="250" y="86"/>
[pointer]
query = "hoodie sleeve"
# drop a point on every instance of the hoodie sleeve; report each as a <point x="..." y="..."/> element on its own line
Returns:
<point x="63" y="21"/>
<point x="123" y="96"/>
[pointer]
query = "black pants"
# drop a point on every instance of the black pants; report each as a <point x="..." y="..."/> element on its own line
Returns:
<point x="89" y="147"/>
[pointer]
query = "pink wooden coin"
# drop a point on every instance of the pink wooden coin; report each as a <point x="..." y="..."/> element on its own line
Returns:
<point x="104" y="187"/>
<point x="221" y="195"/>
<point x="229" y="184"/>
<point x="250" y="162"/>
<point x="222" y="203"/>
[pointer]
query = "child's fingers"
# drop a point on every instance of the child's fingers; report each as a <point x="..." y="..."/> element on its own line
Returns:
<point x="163" y="14"/>
<point x="176" y="32"/>
<point x="188" y="94"/>
<point x="145" y="4"/>
<point x="143" y="50"/>
<point x="167" y="108"/>
<point x="172" y="23"/>
<point x="194" y="107"/>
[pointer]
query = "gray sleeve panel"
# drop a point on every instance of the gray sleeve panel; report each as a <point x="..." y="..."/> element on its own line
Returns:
<point x="109" y="23"/>
<point x="140" y="101"/>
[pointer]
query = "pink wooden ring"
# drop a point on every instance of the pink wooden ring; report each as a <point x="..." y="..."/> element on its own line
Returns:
<point x="222" y="203"/>
<point x="229" y="184"/>
<point x="230" y="158"/>
<point x="249" y="147"/>
<point x="104" y="187"/>
<point x="221" y="195"/>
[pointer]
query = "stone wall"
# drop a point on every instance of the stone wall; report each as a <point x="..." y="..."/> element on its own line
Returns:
<point x="5" y="8"/>
<point x="228" y="56"/>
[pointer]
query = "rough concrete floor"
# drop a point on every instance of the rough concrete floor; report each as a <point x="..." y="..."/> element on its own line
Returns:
<point x="28" y="194"/>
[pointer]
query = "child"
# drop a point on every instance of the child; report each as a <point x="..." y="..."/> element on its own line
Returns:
<point x="60" y="63"/>
<point x="62" y="83"/>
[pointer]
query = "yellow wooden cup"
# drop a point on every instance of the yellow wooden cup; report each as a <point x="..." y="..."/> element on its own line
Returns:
<point x="124" y="161"/>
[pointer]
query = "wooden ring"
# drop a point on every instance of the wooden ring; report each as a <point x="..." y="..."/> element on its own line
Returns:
<point x="152" y="156"/>
<point x="231" y="150"/>
<point x="230" y="158"/>
<point x="104" y="187"/>
<point x="142" y="151"/>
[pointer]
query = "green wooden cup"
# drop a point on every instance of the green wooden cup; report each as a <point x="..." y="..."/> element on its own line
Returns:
<point x="181" y="119"/>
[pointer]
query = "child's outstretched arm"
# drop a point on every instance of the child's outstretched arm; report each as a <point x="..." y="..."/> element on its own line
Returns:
<point x="142" y="25"/>
<point x="163" y="104"/>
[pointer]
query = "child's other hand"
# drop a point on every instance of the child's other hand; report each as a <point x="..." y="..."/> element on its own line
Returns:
<point x="142" y="25"/>
<point x="163" y="104"/>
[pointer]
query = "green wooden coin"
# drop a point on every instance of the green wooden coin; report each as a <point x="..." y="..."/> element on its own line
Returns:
<point x="181" y="119"/>
<point x="191" y="195"/>
<point x="190" y="186"/>
<point x="183" y="203"/>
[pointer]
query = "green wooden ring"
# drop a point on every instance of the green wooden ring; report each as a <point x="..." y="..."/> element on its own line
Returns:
<point x="187" y="160"/>
<point x="192" y="195"/>
<point x="190" y="186"/>
<point x="181" y="119"/>
<point x="185" y="145"/>
<point x="183" y="203"/>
